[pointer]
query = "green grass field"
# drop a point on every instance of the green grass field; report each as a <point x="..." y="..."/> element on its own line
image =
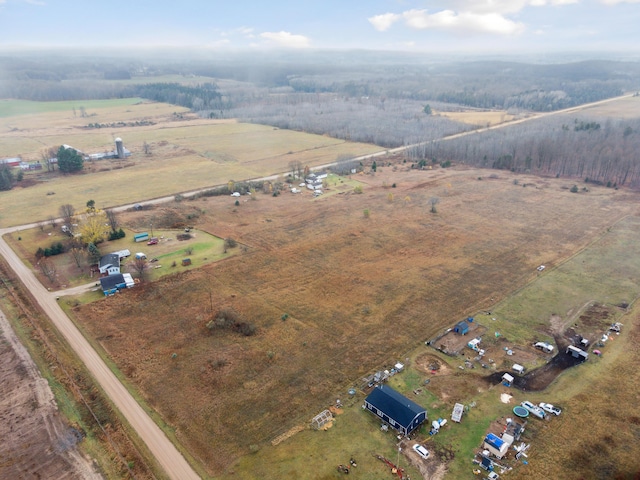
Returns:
<point x="10" y="108"/>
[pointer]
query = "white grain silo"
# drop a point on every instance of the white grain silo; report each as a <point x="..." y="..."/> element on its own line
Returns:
<point x="119" y="148"/>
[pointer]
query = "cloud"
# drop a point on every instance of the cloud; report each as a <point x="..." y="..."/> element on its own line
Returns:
<point x="470" y="16"/>
<point x="286" y="39"/>
<point x="616" y="2"/>
<point x="383" y="22"/>
<point x="462" y="22"/>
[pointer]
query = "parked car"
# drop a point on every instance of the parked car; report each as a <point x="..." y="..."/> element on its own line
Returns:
<point x="541" y="268"/>
<point x="493" y="476"/>
<point x="533" y="409"/>
<point x="547" y="407"/>
<point x="420" y="450"/>
<point x="152" y="241"/>
<point x="235" y="194"/>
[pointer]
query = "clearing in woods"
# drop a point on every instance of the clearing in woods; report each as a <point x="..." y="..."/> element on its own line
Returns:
<point x="358" y="291"/>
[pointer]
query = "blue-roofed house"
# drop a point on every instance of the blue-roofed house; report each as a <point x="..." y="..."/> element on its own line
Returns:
<point x="395" y="409"/>
<point x="113" y="283"/>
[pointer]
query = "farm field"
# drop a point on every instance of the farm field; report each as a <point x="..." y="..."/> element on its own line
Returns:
<point x="186" y="153"/>
<point x="623" y="108"/>
<point x="335" y="294"/>
<point x="480" y="118"/>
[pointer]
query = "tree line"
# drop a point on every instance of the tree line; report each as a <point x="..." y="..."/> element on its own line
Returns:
<point x="601" y="151"/>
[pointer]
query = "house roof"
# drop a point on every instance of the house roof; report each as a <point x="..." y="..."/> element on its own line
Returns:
<point x="394" y="404"/>
<point x="109" y="282"/>
<point x="462" y="325"/>
<point x="109" y="259"/>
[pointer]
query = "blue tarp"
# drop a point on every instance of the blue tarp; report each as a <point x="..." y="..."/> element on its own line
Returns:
<point x="494" y="441"/>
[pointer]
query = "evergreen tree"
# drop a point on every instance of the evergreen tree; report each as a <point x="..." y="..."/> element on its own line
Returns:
<point x="69" y="160"/>
<point x="93" y="253"/>
<point x="6" y="178"/>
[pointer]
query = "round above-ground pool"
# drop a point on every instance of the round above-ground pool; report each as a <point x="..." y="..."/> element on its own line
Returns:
<point x="520" y="411"/>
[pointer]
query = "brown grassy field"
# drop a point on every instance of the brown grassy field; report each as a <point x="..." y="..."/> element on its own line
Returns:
<point x="623" y="108"/>
<point x="359" y="291"/>
<point x="187" y="153"/>
<point x="480" y="118"/>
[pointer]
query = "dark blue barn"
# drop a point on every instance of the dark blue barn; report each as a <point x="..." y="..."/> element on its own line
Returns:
<point x="395" y="409"/>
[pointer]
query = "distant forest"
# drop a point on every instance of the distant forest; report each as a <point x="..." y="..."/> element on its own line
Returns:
<point x="380" y="98"/>
<point x="600" y="151"/>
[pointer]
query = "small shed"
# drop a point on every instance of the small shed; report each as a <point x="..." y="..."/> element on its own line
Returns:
<point x="141" y="237"/>
<point x="519" y="369"/>
<point x="495" y="445"/>
<point x="507" y="380"/>
<point x="577" y="353"/>
<point x="186" y="262"/>
<point x="461" y="328"/>
<point x="128" y="280"/>
<point x="394" y="408"/>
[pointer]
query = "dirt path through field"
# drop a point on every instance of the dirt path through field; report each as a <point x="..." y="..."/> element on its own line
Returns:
<point x="163" y="450"/>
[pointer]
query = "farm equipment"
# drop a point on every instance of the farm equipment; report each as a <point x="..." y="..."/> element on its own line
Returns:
<point x="396" y="470"/>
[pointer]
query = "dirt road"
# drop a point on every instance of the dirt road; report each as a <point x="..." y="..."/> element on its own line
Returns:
<point x="164" y="451"/>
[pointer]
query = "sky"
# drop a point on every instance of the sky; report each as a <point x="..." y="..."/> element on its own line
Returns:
<point x="489" y="26"/>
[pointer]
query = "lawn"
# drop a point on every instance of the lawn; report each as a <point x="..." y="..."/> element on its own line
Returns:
<point x="205" y="248"/>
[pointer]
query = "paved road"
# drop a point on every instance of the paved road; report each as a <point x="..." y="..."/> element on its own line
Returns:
<point x="165" y="453"/>
<point x="171" y="460"/>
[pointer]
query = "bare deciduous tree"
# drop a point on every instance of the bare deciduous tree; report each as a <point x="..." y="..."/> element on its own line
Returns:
<point x="48" y="269"/>
<point x="67" y="213"/>
<point x="76" y="248"/>
<point x="112" y="218"/>
<point x="46" y="155"/>
<point x="295" y="166"/>
<point x="139" y="266"/>
<point x="433" y="201"/>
